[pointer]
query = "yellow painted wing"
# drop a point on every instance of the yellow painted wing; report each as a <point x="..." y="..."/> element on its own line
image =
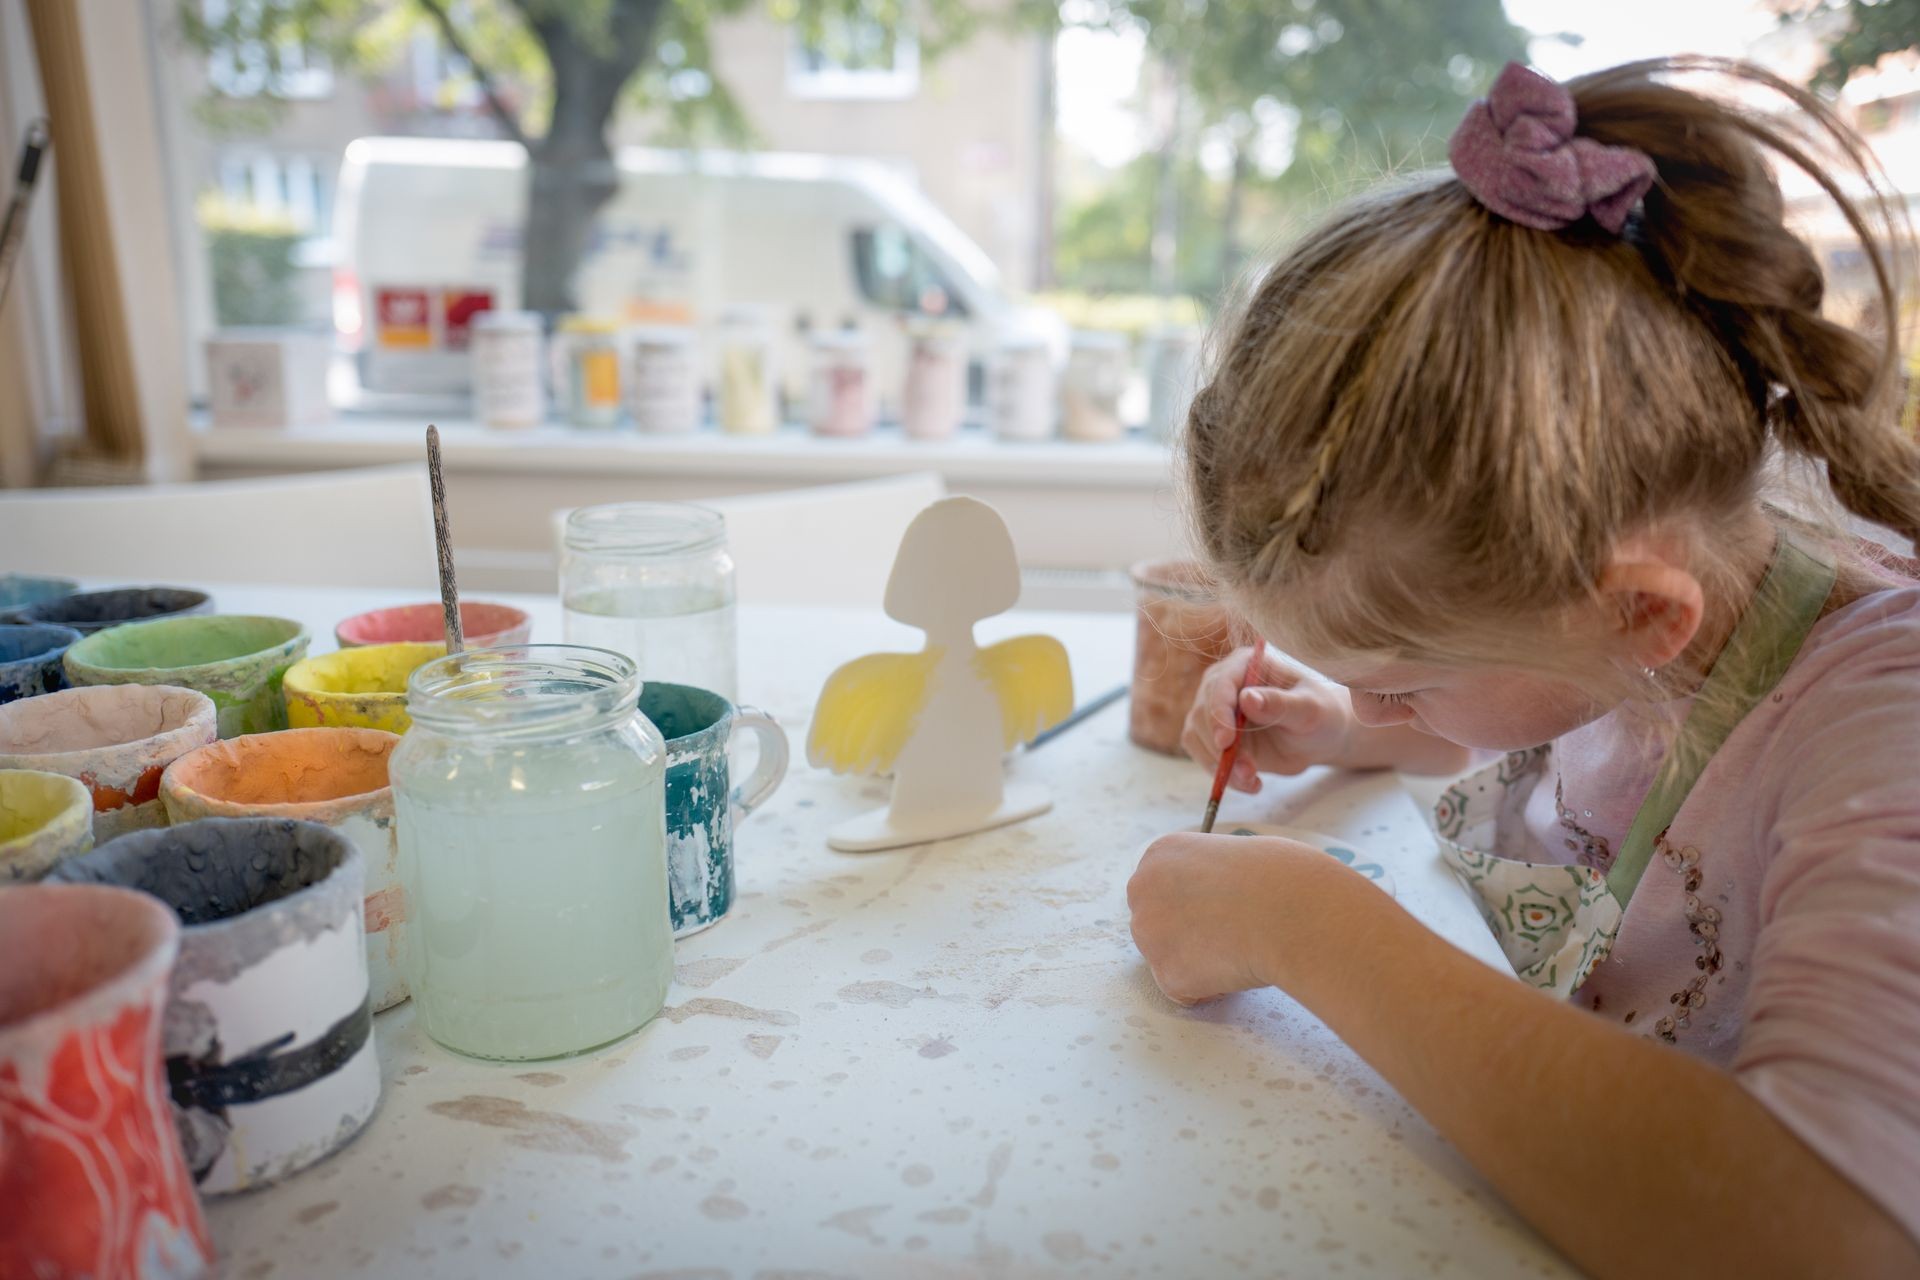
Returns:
<point x="868" y="711"/>
<point x="1033" y="681"/>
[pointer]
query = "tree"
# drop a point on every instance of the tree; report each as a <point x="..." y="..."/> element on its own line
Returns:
<point x="1867" y="31"/>
<point x="1362" y="86"/>
<point x="552" y="74"/>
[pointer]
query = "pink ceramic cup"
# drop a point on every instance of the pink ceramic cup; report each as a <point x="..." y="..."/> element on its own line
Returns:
<point x="91" y="1172"/>
<point x="485" y="625"/>
<point x="117" y="739"/>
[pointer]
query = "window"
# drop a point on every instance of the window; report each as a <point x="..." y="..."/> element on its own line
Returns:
<point x="896" y="273"/>
<point x="854" y="58"/>
<point x="246" y="70"/>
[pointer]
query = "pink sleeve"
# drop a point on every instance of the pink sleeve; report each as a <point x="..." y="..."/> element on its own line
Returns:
<point x="1832" y="1038"/>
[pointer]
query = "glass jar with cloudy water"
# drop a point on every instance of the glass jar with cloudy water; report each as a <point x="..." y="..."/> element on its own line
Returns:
<point x="530" y="796"/>
<point x="653" y="581"/>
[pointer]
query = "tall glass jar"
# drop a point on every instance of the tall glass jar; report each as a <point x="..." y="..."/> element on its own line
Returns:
<point x="530" y="800"/>
<point x="653" y="581"/>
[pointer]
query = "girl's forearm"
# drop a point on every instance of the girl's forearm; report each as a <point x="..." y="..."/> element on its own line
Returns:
<point x="1627" y="1155"/>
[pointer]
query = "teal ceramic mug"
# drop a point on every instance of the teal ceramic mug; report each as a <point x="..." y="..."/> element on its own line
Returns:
<point x="703" y="805"/>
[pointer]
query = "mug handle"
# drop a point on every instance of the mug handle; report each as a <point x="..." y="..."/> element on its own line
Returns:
<point x="768" y="769"/>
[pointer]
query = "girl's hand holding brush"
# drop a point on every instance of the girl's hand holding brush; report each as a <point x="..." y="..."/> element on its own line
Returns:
<point x="1292" y="721"/>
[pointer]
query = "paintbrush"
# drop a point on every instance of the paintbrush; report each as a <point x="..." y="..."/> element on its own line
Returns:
<point x="1227" y="757"/>
<point x="443" y="543"/>
<point x="1080" y="713"/>
<point x="14" y="225"/>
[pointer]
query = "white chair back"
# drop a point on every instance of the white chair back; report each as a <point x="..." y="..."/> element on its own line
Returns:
<point x="366" y="528"/>
<point x="828" y="545"/>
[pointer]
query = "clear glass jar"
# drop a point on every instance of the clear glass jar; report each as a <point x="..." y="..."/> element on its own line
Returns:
<point x="530" y="798"/>
<point x="653" y="581"/>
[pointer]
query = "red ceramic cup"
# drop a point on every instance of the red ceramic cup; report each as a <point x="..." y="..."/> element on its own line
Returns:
<point x="483" y="625"/>
<point x="91" y="1174"/>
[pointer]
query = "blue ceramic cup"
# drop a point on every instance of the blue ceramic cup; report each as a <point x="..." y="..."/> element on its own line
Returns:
<point x="30" y="660"/>
<point x="18" y="589"/>
<point x="703" y="805"/>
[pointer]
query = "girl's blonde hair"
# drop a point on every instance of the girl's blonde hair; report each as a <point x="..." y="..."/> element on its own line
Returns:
<point x="1429" y="421"/>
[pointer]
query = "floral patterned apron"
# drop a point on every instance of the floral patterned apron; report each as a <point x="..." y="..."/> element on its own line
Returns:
<point x="1557" y="922"/>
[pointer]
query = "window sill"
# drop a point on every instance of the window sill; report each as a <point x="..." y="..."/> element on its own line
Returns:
<point x="972" y="456"/>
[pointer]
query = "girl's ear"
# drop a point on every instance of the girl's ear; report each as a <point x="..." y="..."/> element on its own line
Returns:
<point x="1654" y="609"/>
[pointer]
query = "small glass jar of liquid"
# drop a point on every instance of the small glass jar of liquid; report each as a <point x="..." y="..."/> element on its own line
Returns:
<point x="654" y="581"/>
<point x="530" y="798"/>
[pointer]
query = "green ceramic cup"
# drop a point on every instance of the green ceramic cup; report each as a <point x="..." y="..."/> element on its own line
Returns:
<point x="238" y="662"/>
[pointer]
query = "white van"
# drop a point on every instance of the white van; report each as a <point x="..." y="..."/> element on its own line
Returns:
<point x="428" y="233"/>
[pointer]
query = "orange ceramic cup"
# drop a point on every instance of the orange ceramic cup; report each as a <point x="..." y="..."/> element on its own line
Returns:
<point x="336" y="777"/>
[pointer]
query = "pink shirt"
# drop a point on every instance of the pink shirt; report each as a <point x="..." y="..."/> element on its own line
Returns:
<point x="1777" y="931"/>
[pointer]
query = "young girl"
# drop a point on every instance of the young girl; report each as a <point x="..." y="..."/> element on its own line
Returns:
<point x="1488" y="451"/>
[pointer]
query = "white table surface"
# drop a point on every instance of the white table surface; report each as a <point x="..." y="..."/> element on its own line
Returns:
<point x="945" y="1061"/>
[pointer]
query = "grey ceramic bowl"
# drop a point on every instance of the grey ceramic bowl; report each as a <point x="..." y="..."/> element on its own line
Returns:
<point x="268" y="1038"/>
<point x="91" y="611"/>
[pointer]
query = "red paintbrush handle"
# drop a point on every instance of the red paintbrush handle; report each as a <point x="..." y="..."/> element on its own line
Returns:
<point x="1225" y="768"/>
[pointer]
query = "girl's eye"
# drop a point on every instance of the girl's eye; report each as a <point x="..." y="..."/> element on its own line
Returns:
<point x="1395" y="699"/>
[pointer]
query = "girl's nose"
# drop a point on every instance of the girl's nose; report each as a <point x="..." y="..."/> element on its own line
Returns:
<point x="1376" y="712"/>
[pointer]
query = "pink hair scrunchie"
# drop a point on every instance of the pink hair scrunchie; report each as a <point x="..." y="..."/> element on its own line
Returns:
<point x="1517" y="153"/>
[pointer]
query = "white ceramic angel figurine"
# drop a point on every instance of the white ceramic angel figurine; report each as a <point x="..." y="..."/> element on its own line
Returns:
<point x="942" y="720"/>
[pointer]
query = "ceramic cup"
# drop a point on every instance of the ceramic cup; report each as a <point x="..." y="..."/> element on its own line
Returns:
<point x="116" y="739"/>
<point x="268" y="1038"/>
<point x="90" y="1170"/>
<point x="237" y="661"/>
<point x="44" y="817"/>
<point x="703" y="806"/>
<point x="1181" y="627"/>
<point x="482" y="625"/>
<point x="92" y="611"/>
<point x="335" y="777"/>
<point x="18" y="589"/>
<point x="356" y="688"/>
<point x="30" y="659"/>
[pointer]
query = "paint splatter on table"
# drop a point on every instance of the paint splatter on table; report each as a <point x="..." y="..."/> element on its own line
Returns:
<point x="944" y="1061"/>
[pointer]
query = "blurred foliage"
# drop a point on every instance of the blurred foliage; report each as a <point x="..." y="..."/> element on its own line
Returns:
<point x="1134" y="314"/>
<point x="1302" y="100"/>
<point x="250" y="257"/>
<point x="1867" y="31"/>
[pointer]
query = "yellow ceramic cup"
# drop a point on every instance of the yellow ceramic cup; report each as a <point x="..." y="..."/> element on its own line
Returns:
<point x="362" y="688"/>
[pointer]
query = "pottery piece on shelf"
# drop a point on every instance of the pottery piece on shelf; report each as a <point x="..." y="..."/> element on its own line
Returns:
<point x="116" y="739"/>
